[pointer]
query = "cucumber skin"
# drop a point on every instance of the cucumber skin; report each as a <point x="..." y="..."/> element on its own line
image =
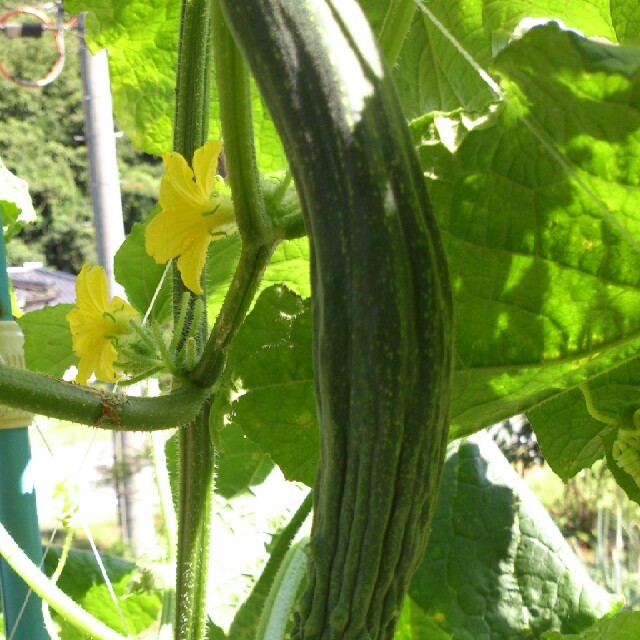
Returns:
<point x="382" y="334"/>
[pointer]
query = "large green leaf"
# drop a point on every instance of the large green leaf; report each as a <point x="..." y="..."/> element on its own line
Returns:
<point x="270" y="372"/>
<point x="433" y="74"/>
<point x="496" y="565"/>
<point x="47" y="340"/>
<point x="544" y="284"/>
<point x="623" y="626"/>
<point x="16" y="207"/>
<point x="82" y="580"/>
<point x="141" y="37"/>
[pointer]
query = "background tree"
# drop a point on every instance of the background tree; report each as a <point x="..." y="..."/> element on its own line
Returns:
<point x="42" y="141"/>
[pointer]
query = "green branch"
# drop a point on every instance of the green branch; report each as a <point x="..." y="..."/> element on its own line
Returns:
<point x="258" y="238"/>
<point x="253" y="262"/>
<point x="234" y="95"/>
<point x="50" y="593"/>
<point x="36" y="393"/>
<point x="395" y="27"/>
<point x="196" y="453"/>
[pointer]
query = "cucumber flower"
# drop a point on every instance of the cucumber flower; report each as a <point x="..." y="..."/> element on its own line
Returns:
<point x="97" y="324"/>
<point x="194" y="213"/>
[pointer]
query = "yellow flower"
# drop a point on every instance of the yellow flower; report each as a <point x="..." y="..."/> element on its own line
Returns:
<point x="96" y="324"/>
<point x="193" y="213"/>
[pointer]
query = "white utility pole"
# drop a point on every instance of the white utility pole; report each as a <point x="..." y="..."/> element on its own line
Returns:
<point x="135" y="508"/>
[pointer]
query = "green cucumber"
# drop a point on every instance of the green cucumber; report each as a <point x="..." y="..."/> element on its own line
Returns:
<point x="382" y="332"/>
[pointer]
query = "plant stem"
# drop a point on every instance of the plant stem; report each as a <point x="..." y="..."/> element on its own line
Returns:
<point x="171" y="529"/>
<point x="196" y="452"/>
<point x="197" y="457"/>
<point x="258" y="240"/>
<point x="234" y="94"/>
<point x="50" y="593"/>
<point x="191" y="124"/>
<point x="248" y="616"/>
<point x="29" y="391"/>
<point x="253" y="262"/>
<point x="395" y="27"/>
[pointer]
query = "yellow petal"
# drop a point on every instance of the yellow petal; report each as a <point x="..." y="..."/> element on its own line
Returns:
<point x="98" y="360"/>
<point x="91" y="289"/>
<point x="104" y="369"/>
<point x="172" y="232"/>
<point x="205" y="166"/>
<point x="191" y="263"/>
<point x="177" y="188"/>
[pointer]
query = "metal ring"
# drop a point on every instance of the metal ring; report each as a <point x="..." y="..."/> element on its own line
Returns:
<point x="55" y="70"/>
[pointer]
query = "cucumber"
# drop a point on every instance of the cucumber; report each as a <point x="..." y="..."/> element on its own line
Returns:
<point x="382" y="310"/>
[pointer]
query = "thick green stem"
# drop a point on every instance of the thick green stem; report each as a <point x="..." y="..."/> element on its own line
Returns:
<point x="191" y="124"/>
<point x="197" y="457"/>
<point x="253" y="262"/>
<point x="395" y="27"/>
<point x="193" y="80"/>
<point x="29" y="391"/>
<point x="258" y="241"/>
<point x="196" y="453"/>
<point x="234" y="94"/>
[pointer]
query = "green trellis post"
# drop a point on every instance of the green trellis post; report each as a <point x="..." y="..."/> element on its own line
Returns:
<point x="22" y="610"/>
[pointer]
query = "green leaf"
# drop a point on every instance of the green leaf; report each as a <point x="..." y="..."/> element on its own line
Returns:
<point x="623" y="626"/>
<point x="290" y="266"/>
<point x="545" y="289"/>
<point x="245" y="528"/>
<point x="569" y="436"/>
<point x="242" y="463"/>
<point x="142" y="39"/>
<point x="624" y="480"/>
<point x="82" y="580"/>
<point x="140" y="275"/>
<point x="47" y="340"/>
<point x="433" y="74"/>
<point x="579" y="427"/>
<point x="626" y="20"/>
<point x="271" y="375"/>
<point x="16" y="207"/>
<point x="414" y="625"/>
<point x="496" y="565"/>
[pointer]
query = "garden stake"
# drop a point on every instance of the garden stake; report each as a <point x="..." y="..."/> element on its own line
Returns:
<point x="18" y="514"/>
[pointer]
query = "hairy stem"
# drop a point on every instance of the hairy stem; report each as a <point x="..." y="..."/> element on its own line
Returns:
<point x="234" y="95"/>
<point x="34" y="392"/>
<point x="258" y="240"/>
<point x="395" y="27"/>
<point x="196" y="453"/>
<point x="253" y="262"/>
<point x="197" y="457"/>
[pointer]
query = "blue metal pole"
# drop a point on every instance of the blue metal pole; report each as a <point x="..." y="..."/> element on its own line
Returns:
<point x="22" y="611"/>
